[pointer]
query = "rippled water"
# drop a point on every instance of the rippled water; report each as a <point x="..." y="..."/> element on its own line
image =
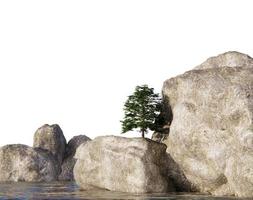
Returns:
<point x="69" y="190"/>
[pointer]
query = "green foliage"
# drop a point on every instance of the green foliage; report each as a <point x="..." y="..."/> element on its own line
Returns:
<point x="141" y="110"/>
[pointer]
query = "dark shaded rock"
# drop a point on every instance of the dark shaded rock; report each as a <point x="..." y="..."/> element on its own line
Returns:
<point x="69" y="160"/>
<point x="74" y="143"/>
<point x="178" y="178"/>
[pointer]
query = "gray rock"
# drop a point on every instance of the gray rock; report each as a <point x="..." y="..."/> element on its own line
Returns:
<point x="133" y="165"/>
<point x="69" y="160"/>
<point x="211" y="134"/>
<point x="74" y="143"/>
<point x="52" y="139"/>
<point x="22" y="163"/>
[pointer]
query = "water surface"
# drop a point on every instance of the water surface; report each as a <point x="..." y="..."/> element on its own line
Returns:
<point x="69" y="190"/>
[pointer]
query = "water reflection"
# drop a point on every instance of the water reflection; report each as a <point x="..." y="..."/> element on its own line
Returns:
<point x="69" y="190"/>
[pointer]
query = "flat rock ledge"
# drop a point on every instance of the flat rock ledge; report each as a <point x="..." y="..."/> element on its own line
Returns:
<point x="134" y="165"/>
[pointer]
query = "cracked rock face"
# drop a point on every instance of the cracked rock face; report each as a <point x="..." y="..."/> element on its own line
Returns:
<point x="211" y="135"/>
<point x="23" y="163"/>
<point x="133" y="165"/>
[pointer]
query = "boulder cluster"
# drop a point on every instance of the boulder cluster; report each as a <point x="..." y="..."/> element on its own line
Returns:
<point x="50" y="158"/>
<point x="206" y="146"/>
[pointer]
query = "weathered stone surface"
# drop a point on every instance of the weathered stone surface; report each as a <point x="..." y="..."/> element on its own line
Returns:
<point x="69" y="160"/>
<point x="228" y="59"/>
<point x="74" y="143"/>
<point x="122" y="164"/>
<point x="22" y="163"/>
<point x="211" y="134"/>
<point x="51" y="138"/>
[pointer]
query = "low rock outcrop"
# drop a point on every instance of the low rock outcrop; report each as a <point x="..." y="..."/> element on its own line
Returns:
<point x="69" y="160"/>
<point x="51" y="138"/>
<point x="211" y="134"/>
<point x="22" y="163"/>
<point x="122" y="164"/>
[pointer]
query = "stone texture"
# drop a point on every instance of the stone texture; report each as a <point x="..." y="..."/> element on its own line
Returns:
<point x="134" y="165"/>
<point x="74" y="143"/>
<point x="161" y="134"/>
<point x="228" y="59"/>
<point x="69" y="160"/>
<point x="211" y="134"/>
<point x="51" y="138"/>
<point x="158" y="137"/>
<point x="22" y="163"/>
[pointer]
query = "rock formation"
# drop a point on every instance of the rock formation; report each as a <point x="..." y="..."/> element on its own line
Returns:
<point x="122" y="164"/>
<point x="51" y="138"/>
<point x="50" y="159"/>
<point x="69" y="160"/>
<point x="22" y="163"/>
<point x="211" y="134"/>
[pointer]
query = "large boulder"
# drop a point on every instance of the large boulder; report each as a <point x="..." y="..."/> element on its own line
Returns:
<point x="51" y="138"/>
<point x="134" y="165"/>
<point x="69" y="160"/>
<point x="211" y="134"/>
<point x="22" y="163"/>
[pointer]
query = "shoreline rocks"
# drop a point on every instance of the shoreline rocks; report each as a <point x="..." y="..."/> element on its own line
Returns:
<point x="134" y="165"/>
<point x="208" y="128"/>
<point x="50" y="158"/>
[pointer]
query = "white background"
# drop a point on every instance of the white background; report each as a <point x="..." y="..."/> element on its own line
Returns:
<point x="75" y="62"/>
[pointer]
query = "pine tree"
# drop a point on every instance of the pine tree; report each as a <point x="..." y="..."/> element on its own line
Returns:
<point x="141" y="110"/>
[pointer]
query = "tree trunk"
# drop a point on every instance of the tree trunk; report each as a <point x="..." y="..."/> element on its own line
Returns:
<point x="142" y="133"/>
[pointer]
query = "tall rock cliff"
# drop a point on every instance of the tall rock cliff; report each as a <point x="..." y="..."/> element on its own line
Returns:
<point x="211" y="134"/>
